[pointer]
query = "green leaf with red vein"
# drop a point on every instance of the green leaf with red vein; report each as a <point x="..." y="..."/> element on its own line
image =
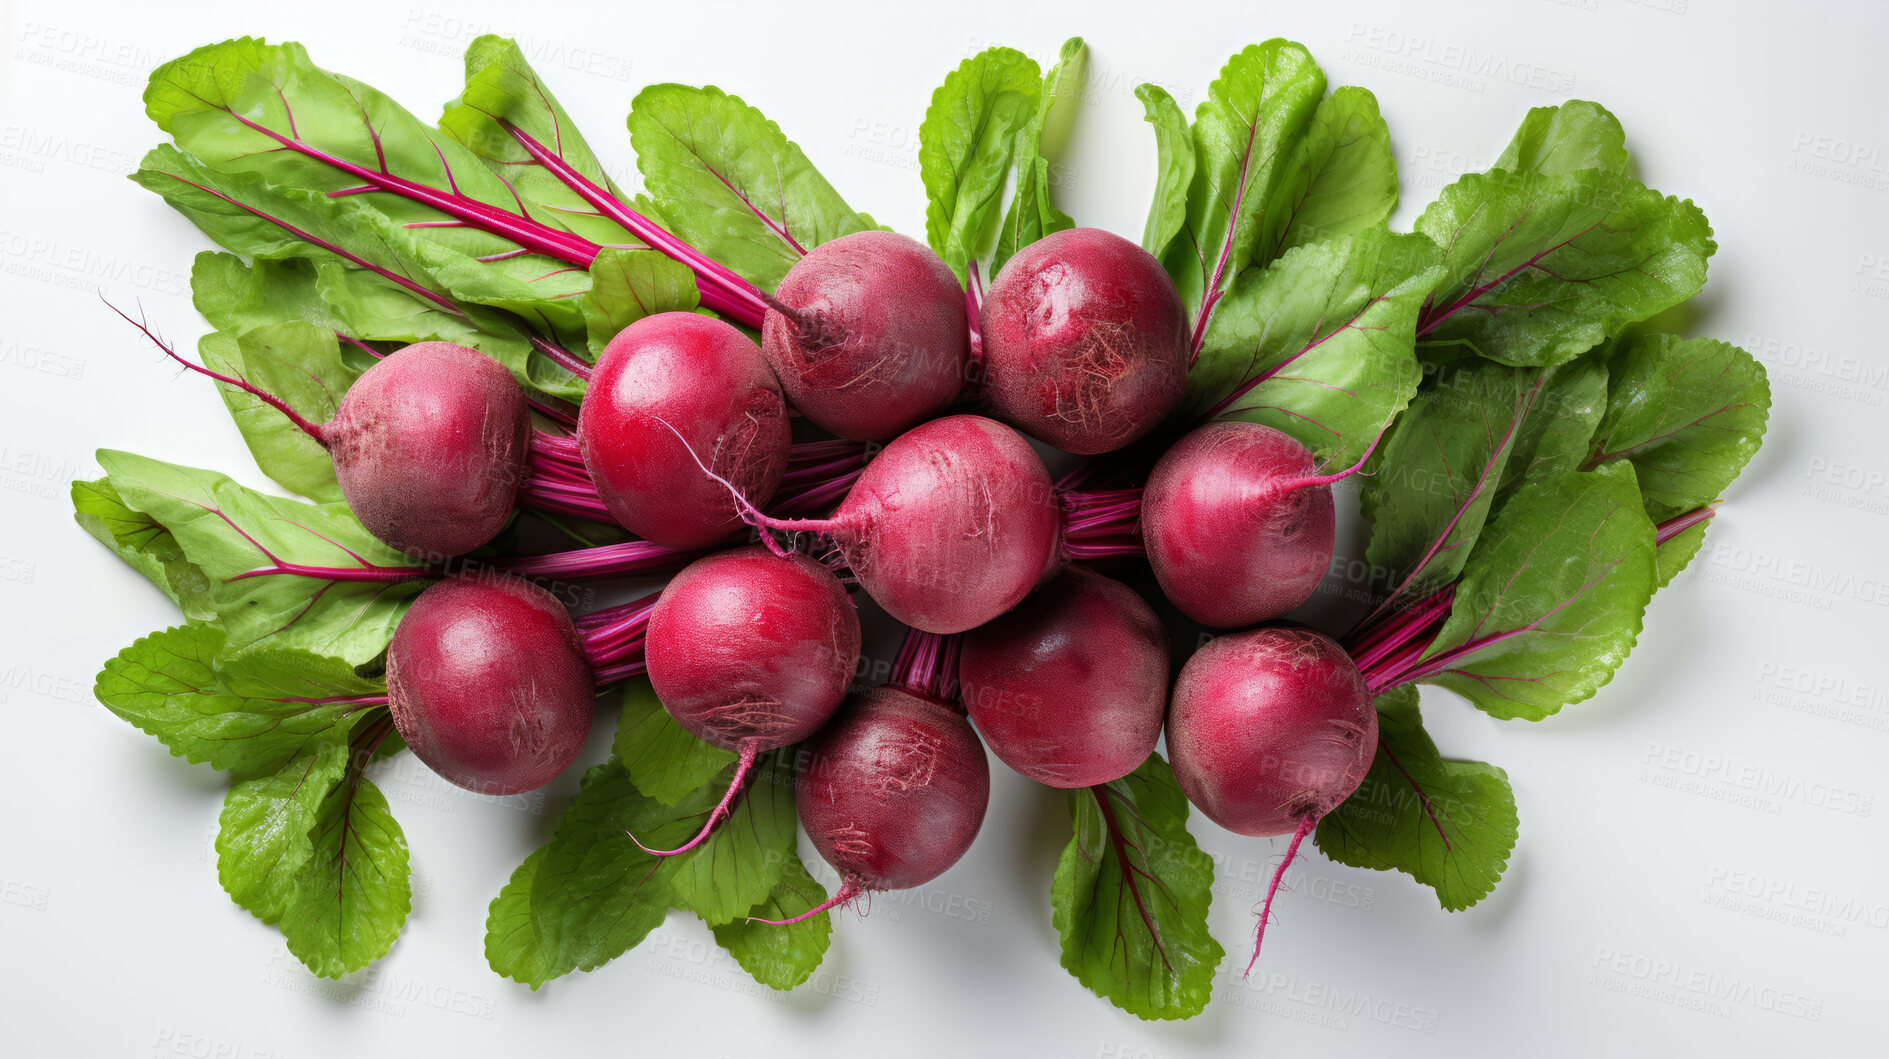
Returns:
<point x="1340" y="179"/>
<point x="1688" y="413"/>
<point x="627" y="285"/>
<point x="1243" y="137"/>
<point x="144" y="544"/>
<point x="731" y="184"/>
<point x="300" y="363"/>
<point x="1320" y="344"/>
<point x="248" y="711"/>
<point x="247" y="108"/>
<point x="355" y="890"/>
<point x="1131" y="895"/>
<point x="1449" y="824"/>
<point x="245" y="214"/>
<point x="359" y="305"/>
<point x="1543" y="267"/>
<point x="1552" y="600"/>
<point x="228" y="534"/>
<point x="308" y="844"/>
<point x="1429" y="486"/>
<point x="503" y="93"/>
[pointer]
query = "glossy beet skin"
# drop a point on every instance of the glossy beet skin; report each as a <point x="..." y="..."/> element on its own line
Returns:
<point x="1232" y="540"/>
<point x="708" y="382"/>
<point x="1071" y="686"/>
<point x="879" y="338"/>
<point x="893" y="790"/>
<point x="749" y="650"/>
<point x="1269" y="728"/>
<point x="950" y="526"/>
<point x="1085" y="341"/>
<point x="488" y="683"/>
<point x="429" y="447"/>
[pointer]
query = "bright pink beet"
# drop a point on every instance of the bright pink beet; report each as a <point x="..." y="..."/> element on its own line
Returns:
<point x="1269" y="730"/>
<point x="1071" y="686"/>
<point x="752" y="652"/>
<point x="1238" y="525"/>
<point x="892" y="792"/>
<point x="1085" y="341"/>
<point x="668" y="388"/>
<point x="488" y="683"/>
<point x="950" y="526"/>
<point x="868" y="335"/>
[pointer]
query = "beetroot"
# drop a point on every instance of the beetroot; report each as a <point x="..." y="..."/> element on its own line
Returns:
<point x="868" y="335"/>
<point x="429" y="445"/>
<point x="751" y="652"/>
<point x="669" y="387"/>
<point x="892" y="792"/>
<point x="1237" y="524"/>
<point x="950" y="526"/>
<point x="1269" y="730"/>
<point x="488" y="683"/>
<point x="1085" y="341"/>
<point x="1070" y="687"/>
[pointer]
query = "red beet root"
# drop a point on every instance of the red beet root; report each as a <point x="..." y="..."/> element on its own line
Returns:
<point x="892" y="792"/>
<point x="669" y="390"/>
<point x="1085" y="341"/>
<point x="1237" y="524"/>
<point x="1071" y="686"/>
<point x="488" y="683"/>
<point x="868" y="335"/>
<point x="752" y="652"/>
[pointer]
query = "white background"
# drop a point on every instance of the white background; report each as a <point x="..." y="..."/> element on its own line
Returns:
<point x="1703" y="859"/>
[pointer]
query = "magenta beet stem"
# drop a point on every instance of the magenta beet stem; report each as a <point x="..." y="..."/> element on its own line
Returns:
<point x="927" y="663"/>
<point x="722" y="290"/>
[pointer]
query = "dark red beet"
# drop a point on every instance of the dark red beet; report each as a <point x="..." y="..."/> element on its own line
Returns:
<point x="878" y="339"/>
<point x="950" y="526"/>
<point x="752" y="652"/>
<point x="1071" y="686"/>
<point x="1268" y="726"/>
<point x="1269" y="730"/>
<point x="429" y="445"/>
<point x="666" y="385"/>
<point x="1237" y="524"/>
<point x="892" y="791"/>
<point x="1085" y="341"/>
<point x="429" y="448"/>
<point x="488" y="683"/>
